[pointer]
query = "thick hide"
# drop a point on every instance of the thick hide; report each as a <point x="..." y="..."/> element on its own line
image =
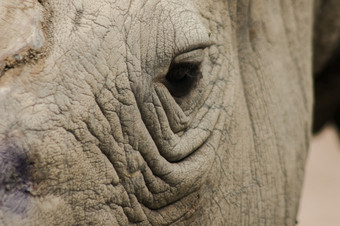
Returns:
<point x="154" y="112"/>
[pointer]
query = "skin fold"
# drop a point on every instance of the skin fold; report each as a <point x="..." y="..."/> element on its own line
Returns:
<point x="154" y="112"/>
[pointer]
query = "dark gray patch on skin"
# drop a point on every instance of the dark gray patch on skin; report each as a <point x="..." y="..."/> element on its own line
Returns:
<point x="14" y="179"/>
<point x="77" y="18"/>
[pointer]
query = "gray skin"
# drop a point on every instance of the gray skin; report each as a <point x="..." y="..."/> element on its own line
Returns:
<point x="154" y="112"/>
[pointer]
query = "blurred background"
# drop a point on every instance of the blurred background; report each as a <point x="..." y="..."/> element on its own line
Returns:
<point x="320" y="202"/>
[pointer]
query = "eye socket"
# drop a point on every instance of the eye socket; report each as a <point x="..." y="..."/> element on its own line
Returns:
<point x="184" y="73"/>
<point x="182" y="78"/>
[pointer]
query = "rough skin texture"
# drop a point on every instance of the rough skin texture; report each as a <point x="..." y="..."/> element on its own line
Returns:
<point x="98" y="128"/>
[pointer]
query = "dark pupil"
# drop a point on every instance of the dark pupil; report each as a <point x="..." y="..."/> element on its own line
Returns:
<point x="182" y="78"/>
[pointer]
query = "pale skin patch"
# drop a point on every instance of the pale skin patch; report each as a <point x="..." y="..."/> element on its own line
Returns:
<point x="21" y="21"/>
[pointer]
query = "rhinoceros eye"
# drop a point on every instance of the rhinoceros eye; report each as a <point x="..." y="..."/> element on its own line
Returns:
<point x="184" y="73"/>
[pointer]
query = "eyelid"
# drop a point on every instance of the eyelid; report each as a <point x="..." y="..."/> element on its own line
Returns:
<point x="193" y="57"/>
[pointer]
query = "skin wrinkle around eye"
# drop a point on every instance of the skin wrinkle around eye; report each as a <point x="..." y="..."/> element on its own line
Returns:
<point x="194" y="56"/>
<point x="175" y="149"/>
<point x="176" y="152"/>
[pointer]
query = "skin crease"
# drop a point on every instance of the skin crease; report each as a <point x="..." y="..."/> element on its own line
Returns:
<point x="91" y="133"/>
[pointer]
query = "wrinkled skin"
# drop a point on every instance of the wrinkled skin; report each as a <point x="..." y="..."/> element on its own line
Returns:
<point x="98" y="126"/>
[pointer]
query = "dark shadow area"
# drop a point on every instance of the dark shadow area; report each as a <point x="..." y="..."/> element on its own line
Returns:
<point x="327" y="95"/>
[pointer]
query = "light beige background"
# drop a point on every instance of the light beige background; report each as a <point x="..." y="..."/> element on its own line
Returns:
<point x="320" y="202"/>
